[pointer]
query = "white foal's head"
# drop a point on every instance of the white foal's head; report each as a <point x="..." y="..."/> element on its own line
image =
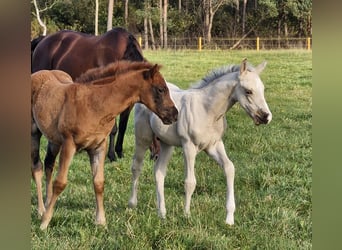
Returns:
<point x="250" y="93"/>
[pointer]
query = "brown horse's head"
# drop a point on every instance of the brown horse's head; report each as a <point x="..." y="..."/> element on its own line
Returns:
<point x="156" y="96"/>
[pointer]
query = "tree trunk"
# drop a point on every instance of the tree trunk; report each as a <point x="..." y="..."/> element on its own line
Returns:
<point x="161" y="23"/>
<point x="146" y="14"/>
<point x="165" y="23"/>
<point x="286" y="34"/>
<point x="96" y="17"/>
<point x="179" y="6"/>
<point x="241" y="39"/>
<point x="126" y="13"/>
<point x="110" y="15"/>
<point x="145" y="32"/>
<point x="210" y="9"/>
<point x="211" y="18"/>
<point x="244" y="16"/>
<point x="151" y="32"/>
<point x="206" y="4"/>
<point x="279" y="32"/>
<point x="41" y="23"/>
<point x="237" y="18"/>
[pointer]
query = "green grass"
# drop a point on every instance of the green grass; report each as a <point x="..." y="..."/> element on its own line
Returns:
<point x="272" y="181"/>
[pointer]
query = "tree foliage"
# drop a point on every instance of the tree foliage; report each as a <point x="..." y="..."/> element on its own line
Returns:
<point x="186" y="18"/>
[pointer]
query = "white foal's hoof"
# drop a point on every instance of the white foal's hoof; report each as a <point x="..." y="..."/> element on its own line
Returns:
<point x="230" y="220"/>
<point x="187" y="214"/>
<point x="132" y="204"/>
<point x="162" y="215"/>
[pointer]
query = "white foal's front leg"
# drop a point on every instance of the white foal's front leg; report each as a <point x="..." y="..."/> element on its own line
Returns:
<point x="190" y="152"/>
<point x="137" y="165"/>
<point x="160" y="168"/>
<point x="218" y="153"/>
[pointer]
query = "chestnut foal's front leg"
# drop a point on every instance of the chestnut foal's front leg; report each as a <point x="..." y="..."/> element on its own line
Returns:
<point x="97" y="158"/>
<point x="68" y="150"/>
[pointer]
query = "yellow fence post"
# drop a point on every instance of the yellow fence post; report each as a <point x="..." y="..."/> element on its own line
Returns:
<point x="308" y="43"/>
<point x="199" y="43"/>
<point x="257" y="44"/>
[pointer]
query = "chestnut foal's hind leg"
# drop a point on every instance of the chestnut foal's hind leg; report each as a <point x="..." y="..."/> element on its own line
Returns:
<point x="49" y="163"/>
<point x="37" y="167"/>
<point x="68" y="150"/>
<point x="97" y="158"/>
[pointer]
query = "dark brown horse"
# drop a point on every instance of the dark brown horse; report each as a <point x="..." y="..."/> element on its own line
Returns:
<point x="75" y="116"/>
<point x="75" y="53"/>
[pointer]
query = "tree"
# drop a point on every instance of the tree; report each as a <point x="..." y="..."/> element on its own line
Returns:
<point x="165" y="23"/>
<point x="161" y="23"/>
<point x="244" y="16"/>
<point x="187" y="18"/>
<point x="110" y="14"/>
<point x="126" y="13"/>
<point x="38" y="11"/>
<point x="146" y="14"/>
<point x="209" y="8"/>
<point x="96" y="17"/>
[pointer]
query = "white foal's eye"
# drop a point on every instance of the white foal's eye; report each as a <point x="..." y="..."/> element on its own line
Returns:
<point x="248" y="92"/>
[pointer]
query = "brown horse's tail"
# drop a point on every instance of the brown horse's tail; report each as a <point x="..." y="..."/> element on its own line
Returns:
<point x="133" y="51"/>
<point x="34" y="44"/>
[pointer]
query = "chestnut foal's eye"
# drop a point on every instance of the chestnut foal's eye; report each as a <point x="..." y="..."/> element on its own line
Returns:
<point x="161" y="90"/>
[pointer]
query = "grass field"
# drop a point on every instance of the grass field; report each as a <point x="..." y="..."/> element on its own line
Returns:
<point x="272" y="180"/>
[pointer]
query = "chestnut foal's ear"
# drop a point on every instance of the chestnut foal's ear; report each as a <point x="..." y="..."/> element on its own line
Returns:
<point x="150" y="73"/>
<point x="243" y="66"/>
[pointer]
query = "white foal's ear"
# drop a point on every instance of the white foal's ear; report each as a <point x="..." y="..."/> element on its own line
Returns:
<point x="243" y="66"/>
<point x="260" y="67"/>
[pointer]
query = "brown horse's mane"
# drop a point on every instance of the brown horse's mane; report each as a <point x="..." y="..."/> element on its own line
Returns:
<point x="104" y="75"/>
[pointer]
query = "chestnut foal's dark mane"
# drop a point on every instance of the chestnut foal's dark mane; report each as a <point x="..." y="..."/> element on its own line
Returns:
<point x="104" y="75"/>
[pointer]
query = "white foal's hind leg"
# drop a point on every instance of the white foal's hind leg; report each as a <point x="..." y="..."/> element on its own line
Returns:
<point x="190" y="152"/>
<point x="160" y="168"/>
<point x="218" y="153"/>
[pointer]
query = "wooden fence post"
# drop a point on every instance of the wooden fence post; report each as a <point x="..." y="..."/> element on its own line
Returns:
<point x="199" y="43"/>
<point x="257" y="44"/>
<point x="308" y="43"/>
<point x="139" y="40"/>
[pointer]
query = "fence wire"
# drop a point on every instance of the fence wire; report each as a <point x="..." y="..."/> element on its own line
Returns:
<point x="179" y="43"/>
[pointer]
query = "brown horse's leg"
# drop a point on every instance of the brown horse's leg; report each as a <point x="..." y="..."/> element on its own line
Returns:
<point x="37" y="167"/>
<point x="111" y="153"/>
<point x="154" y="148"/>
<point x="49" y="163"/>
<point x="68" y="150"/>
<point x="97" y="158"/>
<point x="122" y="129"/>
